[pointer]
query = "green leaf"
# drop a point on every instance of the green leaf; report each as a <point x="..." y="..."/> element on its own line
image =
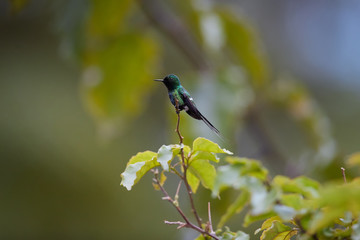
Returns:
<point x="205" y="145"/>
<point x="116" y="78"/>
<point x="286" y="213"/>
<point x="267" y="223"/>
<point x="200" y="237"/>
<point x="294" y="200"/>
<point x="204" y="171"/>
<point x="236" y="207"/>
<point x="241" y="172"/>
<point x="278" y="231"/>
<point x="334" y="202"/>
<point x="228" y="235"/>
<point x="136" y="168"/>
<point x="165" y="155"/>
<point x="303" y="185"/>
<point x="353" y="160"/>
<point x="355" y="231"/>
<point x="204" y="155"/>
<point x="245" y="47"/>
<point x="193" y="181"/>
<point x="249" y="167"/>
<point x="249" y="218"/>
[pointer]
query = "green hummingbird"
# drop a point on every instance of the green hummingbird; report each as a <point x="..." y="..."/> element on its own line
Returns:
<point x="184" y="100"/>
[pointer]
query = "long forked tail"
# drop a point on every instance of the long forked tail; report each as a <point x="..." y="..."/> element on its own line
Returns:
<point x="212" y="127"/>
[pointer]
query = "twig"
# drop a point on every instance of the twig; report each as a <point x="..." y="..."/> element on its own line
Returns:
<point x="187" y="222"/>
<point x="188" y="188"/>
<point x="209" y="216"/>
<point x="343" y="173"/>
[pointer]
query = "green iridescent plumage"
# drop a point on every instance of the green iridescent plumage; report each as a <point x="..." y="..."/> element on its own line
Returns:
<point x="184" y="100"/>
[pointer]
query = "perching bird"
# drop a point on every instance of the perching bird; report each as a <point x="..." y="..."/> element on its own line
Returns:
<point x="184" y="100"/>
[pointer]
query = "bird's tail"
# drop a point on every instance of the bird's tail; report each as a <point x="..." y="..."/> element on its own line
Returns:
<point x="212" y="127"/>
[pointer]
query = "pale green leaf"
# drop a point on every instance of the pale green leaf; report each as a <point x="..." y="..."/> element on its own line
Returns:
<point x="205" y="145"/>
<point x="136" y="168"/>
<point x="286" y="213"/>
<point x="236" y="207"/>
<point x="204" y="171"/>
<point x="228" y="235"/>
<point x="165" y="155"/>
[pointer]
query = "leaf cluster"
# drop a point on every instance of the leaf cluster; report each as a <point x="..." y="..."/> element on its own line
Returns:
<point x="299" y="208"/>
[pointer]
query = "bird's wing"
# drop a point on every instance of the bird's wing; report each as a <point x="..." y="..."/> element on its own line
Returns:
<point x="190" y="106"/>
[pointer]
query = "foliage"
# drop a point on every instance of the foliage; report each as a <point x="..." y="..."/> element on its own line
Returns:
<point x="289" y="208"/>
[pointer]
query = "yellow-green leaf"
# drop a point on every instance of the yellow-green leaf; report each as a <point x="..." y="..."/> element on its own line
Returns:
<point x="193" y="181"/>
<point x="205" y="145"/>
<point x="277" y="231"/>
<point x="204" y="171"/>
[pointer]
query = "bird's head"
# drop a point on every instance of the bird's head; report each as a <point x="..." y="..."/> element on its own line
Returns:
<point x="171" y="81"/>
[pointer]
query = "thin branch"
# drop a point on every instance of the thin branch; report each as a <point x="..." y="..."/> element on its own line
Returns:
<point x="187" y="222"/>
<point x="343" y="173"/>
<point x="188" y="188"/>
<point x="209" y="216"/>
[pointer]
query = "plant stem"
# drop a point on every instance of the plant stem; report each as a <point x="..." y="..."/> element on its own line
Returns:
<point x="187" y="222"/>
<point x="343" y="173"/>
<point x="188" y="188"/>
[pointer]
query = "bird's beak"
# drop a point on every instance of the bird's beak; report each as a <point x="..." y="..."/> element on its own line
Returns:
<point x="158" y="80"/>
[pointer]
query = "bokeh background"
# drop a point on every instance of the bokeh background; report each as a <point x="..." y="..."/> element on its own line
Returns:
<point x="280" y="79"/>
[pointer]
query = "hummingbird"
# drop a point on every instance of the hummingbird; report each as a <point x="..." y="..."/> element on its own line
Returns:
<point x="180" y="97"/>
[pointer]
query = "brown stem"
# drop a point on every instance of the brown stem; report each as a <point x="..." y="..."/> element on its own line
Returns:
<point x="343" y="173"/>
<point x="188" y="188"/>
<point x="187" y="223"/>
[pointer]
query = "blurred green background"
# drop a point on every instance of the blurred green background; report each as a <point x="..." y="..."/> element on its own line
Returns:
<point x="279" y="79"/>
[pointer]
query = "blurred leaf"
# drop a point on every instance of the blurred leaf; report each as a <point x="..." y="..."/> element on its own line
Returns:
<point x="228" y="235"/>
<point x="286" y="213"/>
<point x="204" y="171"/>
<point x="245" y="47"/>
<point x="236" y="207"/>
<point x="165" y="155"/>
<point x="353" y="160"/>
<point x="200" y="237"/>
<point x="335" y="201"/>
<point x="249" y="167"/>
<point x="136" y="168"/>
<point x="307" y="187"/>
<point x="356" y="231"/>
<point x="267" y="223"/>
<point x="18" y="5"/>
<point x="205" y="145"/>
<point x="107" y="17"/>
<point x="162" y="178"/>
<point x="193" y="181"/>
<point x="278" y="231"/>
<point x="293" y="200"/>
<point x="117" y="77"/>
<point x="249" y="218"/>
